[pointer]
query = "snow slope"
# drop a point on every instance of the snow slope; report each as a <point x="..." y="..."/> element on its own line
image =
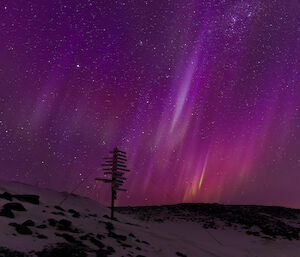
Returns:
<point x="40" y="222"/>
<point x="224" y="230"/>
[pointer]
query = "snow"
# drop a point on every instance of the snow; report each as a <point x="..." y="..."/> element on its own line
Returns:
<point x="151" y="239"/>
<point x="193" y="240"/>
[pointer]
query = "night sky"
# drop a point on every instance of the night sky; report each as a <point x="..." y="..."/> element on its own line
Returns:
<point x="203" y="95"/>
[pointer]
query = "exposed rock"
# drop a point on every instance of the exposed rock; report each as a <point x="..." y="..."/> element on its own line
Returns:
<point x="41" y="236"/>
<point x="84" y="237"/>
<point x="21" y="229"/>
<point x="6" y="196"/>
<point x="10" y="253"/>
<point x="109" y="226"/>
<point x="59" y="208"/>
<point x="97" y="242"/>
<point x="52" y="222"/>
<point x="100" y="236"/>
<point x="29" y="223"/>
<point x="42" y="226"/>
<point x="58" y="213"/>
<point x="7" y="213"/>
<point x="66" y="225"/>
<point x="254" y="233"/>
<point x="34" y="199"/>
<point x="105" y="252"/>
<point x="126" y="245"/>
<point x="110" y="249"/>
<point x="74" y="213"/>
<point x="67" y="237"/>
<point x="131" y="234"/>
<point x="14" y="206"/>
<point x="63" y="250"/>
<point x="180" y="254"/>
<point x="13" y="224"/>
<point x="116" y="236"/>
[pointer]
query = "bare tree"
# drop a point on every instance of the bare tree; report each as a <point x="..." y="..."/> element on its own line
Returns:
<point x="116" y="167"/>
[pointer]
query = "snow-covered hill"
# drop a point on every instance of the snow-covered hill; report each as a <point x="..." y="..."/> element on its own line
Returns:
<point x="226" y="230"/>
<point x="40" y="222"/>
<point x="268" y="222"/>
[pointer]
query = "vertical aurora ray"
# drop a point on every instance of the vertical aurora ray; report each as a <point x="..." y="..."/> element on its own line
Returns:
<point x="184" y="88"/>
<point x="194" y="189"/>
<point x="202" y="174"/>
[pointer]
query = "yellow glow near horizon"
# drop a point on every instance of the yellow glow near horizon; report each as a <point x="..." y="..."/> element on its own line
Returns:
<point x="203" y="172"/>
<point x="196" y="186"/>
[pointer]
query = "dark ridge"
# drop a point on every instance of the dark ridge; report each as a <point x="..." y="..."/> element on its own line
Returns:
<point x="272" y="221"/>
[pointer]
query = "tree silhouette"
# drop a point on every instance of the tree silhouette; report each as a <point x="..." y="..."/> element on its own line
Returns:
<point x="116" y="167"/>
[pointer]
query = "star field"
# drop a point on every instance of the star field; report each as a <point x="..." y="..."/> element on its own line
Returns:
<point x="203" y="95"/>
